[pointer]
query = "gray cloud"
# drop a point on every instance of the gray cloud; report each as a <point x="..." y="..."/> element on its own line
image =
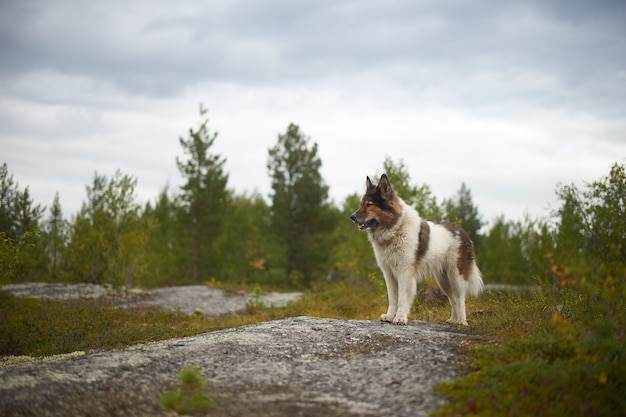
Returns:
<point x="157" y="50"/>
<point x="425" y="77"/>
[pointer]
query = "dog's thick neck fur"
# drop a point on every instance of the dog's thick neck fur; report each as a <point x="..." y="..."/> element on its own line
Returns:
<point x="389" y="231"/>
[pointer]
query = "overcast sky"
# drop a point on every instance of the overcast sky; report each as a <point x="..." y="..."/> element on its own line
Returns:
<point x="510" y="97"/>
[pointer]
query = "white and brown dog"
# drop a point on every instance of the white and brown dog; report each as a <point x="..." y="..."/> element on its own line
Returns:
<point x="409" y="249"/>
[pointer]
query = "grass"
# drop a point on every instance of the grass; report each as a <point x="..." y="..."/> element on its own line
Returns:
<point x="44" y="327"/>
<point x="557" y="352"/>
<point x="541" y="375"/>
<point x="37" y="328"/>
<point x="552" y="352"/>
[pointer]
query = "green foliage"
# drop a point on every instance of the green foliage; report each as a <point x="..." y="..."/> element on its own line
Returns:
<point x="591" y="230"/>
<point x="27" y="213"/>
<point x="44" y="327"/>
<point x="205" y="199"/>
<point x="461" y="209"/>
<point x="605" y="207"/>
<point x="573" y="361"/>
<point x="20" y="221"/>
<point x="540" y="375"/>
<point x="590" y="249"/>
<point x="165" y="240"/>
<point x="513" y="252"/>
<point x="18" y="213"/>
<point x="504" y="254"/>
<point x="301" y="216"/>
<point x="8" y="188"/>
<point x="13" y="254"/>
<point x="254" y="303"/>
<point x="190" y="397"/>
<point x="352" y="254"/>
<point x="55" y="238"/>
<point x="340" y="300"/>
<point x="419" y="197"/>
<point x="108" y="238"/>
<point x="246" y="251"/>
<point x="556" y="355"/>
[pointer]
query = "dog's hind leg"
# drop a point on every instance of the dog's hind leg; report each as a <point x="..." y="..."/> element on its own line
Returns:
<point x="449" y="282"/>
<point x="457" y="304"/>
<point x="392" y="296"/>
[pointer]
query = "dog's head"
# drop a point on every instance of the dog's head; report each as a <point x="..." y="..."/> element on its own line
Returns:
<point x="379" y="206"/>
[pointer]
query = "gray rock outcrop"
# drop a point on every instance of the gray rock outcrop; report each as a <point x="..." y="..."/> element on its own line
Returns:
<point x="300" y="366"/>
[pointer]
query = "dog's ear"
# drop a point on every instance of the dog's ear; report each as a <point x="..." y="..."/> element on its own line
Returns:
<point x="386" y="190"/>
<point x="368" y="184"/>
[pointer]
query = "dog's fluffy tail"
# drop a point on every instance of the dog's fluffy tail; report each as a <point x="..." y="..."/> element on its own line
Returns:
<point x="475" y="282"/>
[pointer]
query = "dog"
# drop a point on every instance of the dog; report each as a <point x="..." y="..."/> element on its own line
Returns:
<point x="409" y="249"/>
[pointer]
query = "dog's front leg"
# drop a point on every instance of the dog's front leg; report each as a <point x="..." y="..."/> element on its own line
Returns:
<point x="392" y="296"/>
<point x="407" y="288"/>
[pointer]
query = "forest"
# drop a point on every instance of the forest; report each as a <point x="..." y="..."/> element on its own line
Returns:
<point x="204" y="232"/>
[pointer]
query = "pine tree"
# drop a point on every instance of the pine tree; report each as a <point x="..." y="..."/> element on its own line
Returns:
<point x="205" y="197"/>
<point x="20" y="220"/>
<point x="165" y="243"/>
<point x="27" y="213"/>
<point x="8" y="190"/>
<point x="21" y="252"/>
<point x="461" y="209"/>
<point x="301" y="217"/>
<point x="55" y="236"/>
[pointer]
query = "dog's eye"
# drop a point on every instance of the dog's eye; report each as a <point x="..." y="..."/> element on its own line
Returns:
<point x="369" y="204"/>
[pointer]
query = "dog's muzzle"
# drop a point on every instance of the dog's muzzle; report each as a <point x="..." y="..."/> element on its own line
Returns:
<point x="363" y="224"/>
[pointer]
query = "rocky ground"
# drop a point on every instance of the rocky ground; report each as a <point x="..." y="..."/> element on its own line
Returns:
<point x="188" y="299"/>
<point x="300" y="366"/>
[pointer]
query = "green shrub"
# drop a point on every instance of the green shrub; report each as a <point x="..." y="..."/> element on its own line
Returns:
<point x="190" y="397"/>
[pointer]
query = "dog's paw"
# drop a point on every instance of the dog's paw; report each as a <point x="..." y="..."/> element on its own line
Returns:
<point x="400" y="320"/>
<point x="461" y="322"/>
<point x="386" y="317"/>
